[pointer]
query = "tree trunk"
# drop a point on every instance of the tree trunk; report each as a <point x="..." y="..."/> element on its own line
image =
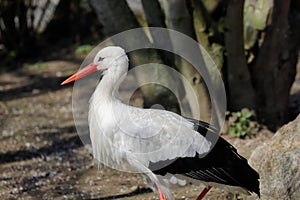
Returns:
<point x="211" y="40"/>
<point x="241" y="93"/>
<point x="156" y="18"/>
<point x="8" y="31"/>
<point x="115" y="16"/>
<point x="154" y="15"/>
<point x="179" y="19"/>
<point x="273" y="70"/>
<point x="27" y="43"/>
<point x="207" y="33"/>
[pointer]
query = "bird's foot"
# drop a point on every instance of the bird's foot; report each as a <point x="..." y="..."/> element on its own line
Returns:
<point x="161" y="195"/>
<point x="203" y="193"/>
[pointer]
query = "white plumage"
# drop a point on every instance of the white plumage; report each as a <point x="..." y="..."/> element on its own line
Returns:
<point x="128" y="138"/>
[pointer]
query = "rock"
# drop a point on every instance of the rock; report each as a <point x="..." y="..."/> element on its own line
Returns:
<point x="278" y="163"/>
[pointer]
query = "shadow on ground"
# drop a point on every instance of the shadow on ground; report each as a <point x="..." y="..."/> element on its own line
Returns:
<point x="43" y="84"/>
<point x="58" y="145"/>
<point x="138" y="191"/>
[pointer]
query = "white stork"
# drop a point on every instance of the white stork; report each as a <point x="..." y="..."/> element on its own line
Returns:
<point x="135" y="139"/>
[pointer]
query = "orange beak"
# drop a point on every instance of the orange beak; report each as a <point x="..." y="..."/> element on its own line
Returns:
<point x="82" y="73"/>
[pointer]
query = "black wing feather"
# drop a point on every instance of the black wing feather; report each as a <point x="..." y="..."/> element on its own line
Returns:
<point x="221" y="165"/>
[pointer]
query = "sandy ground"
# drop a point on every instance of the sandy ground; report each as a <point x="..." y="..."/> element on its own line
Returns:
<point x="41" y="155"/>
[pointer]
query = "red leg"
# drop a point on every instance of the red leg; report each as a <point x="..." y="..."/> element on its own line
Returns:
<point x="161" y="195"/>
<point x="203" y="193"/>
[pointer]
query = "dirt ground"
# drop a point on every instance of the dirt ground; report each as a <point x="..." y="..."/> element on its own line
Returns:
<point x="41" y="155"/>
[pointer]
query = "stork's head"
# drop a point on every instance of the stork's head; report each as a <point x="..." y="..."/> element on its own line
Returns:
<point x="108" y="58"/>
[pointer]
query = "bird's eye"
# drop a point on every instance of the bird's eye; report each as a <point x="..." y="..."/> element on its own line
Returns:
<point x="100" y="59"/>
